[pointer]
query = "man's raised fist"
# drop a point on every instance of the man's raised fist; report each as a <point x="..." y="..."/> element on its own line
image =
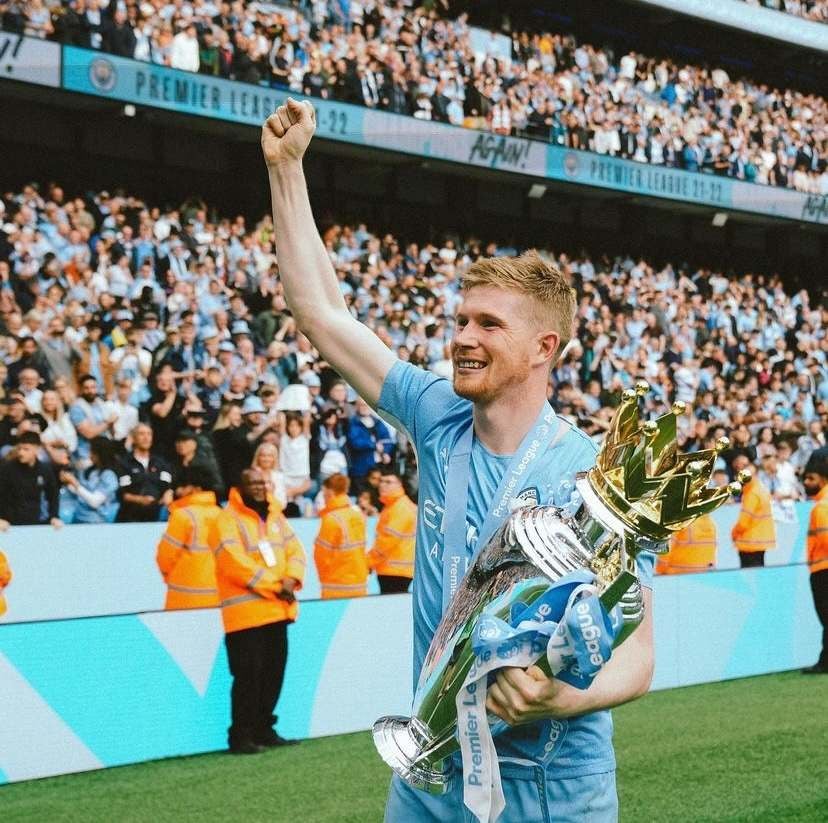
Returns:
<point x="287" y="132"/>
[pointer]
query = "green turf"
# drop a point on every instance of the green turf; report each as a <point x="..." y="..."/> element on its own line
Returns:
<point x="745" y="750"/>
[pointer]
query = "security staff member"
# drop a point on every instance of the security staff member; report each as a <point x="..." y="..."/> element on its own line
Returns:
<point x="815" y="480"/>
<point x="184" y="556"/>
<point x="145" y="480"/>
<point x="693" y="549"/>
<point x="392" y="557"/>
<point x="754" y="532"/>
<point x="339" y="550"/>
<point x="28" y="488"/>
<point x="5" y="579"/>
<point x="260" y="563"/>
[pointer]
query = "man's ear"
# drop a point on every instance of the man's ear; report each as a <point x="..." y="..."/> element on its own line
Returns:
<point x="549" y="343"/>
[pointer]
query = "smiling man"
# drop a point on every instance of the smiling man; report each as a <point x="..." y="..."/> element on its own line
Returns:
<point x="516" y="315"/>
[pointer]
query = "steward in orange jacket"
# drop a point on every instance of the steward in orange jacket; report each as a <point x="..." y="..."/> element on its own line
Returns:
<point x="754" y="532"/>
<point x="818" y="532"/>
<point x="260" y="563"/>
<point x="392" y="557"/>
<point x="249" y="579"/>
<point x="815" y="480"/>
<point x="339" y="550"/>
<point x="184" y="555"/>
<point x="693" y="549"/>
<point x="5" y="579"/>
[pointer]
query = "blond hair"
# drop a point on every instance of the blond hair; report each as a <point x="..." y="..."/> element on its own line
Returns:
<point x="535" y="277"/>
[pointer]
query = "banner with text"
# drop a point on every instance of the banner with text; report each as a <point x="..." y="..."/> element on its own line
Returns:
<point x="29" y="60"/>
<point x="88" y="694"/>
<point x="130" y="81"/>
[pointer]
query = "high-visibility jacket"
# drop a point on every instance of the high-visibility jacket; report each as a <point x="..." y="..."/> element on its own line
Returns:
<point x="247" y="585"/>
<point x="755" y="531"/>
<point x="818" y="533"/>
<point x="339" y="550"/>
<point x="185" y="557"/>
<point x="393" y="552"/>
<point x="693" y="549"/>
<point x="5" y="579"/>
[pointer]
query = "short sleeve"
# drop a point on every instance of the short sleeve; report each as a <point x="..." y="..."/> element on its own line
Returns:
<point x="414" y="399"/>
<point x="645" y="562"/>
<point x="76" y="415"/>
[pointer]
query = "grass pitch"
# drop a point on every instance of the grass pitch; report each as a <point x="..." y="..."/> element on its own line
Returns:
<point x="745" y="750"/>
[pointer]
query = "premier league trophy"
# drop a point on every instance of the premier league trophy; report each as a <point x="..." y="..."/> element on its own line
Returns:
<point x="640" y="491"/>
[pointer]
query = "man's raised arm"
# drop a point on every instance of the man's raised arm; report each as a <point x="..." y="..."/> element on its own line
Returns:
<point x="311" y="288"/>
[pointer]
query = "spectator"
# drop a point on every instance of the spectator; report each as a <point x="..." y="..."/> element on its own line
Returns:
<point x="30" y="358"/>
<point x="266" y="460"/>
<point x="328" y="441"/>
<point x="162" y="411"/>
<point x="94" y="357"/>
<point x="18" y="420"/>
<point x="59" y="431"/>
<point x="185" y="50"/>
<point x="294" y="449"/>
<point x="91" y="417"/>
<point x="339" y="550"/>
<point x="194" y="419"/>
<point x="95" y="487"/>
<point x="125" y="409"/>
<point x="187" y="456"/>
<point x="256" y="587"/>
<point x="369" y="442"/>
<point x="145" y="480"/>
<point x="29" y="382"/>
<point x="28" y="489"/>
<point x="230" y="439"/>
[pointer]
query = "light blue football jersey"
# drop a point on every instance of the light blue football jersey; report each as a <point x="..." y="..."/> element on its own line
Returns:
<point x="434" y="417"/>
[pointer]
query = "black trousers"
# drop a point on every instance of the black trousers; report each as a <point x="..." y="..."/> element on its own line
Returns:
<point x="392" y="584"/>
<point x="819" y="588"/>
<point x="257" y="660"/>
<point x="750" y="560"/>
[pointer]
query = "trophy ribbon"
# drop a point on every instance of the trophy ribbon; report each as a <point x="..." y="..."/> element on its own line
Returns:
<point x="534" y="444"/>
<point x="569" y="625"/>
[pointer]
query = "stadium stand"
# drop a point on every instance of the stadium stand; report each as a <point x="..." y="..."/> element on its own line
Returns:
<point x="544" y="85"/>
<point x="173" y="308"/>
<point x="808" y="9"/>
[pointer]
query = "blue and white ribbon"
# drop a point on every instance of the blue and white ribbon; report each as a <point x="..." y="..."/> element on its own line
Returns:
<point x="569" y="625"/>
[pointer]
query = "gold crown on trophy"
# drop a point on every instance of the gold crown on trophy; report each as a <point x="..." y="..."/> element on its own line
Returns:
<point x="646" y="481"/>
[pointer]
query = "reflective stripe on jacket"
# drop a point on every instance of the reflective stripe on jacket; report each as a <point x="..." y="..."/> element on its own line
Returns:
<point x="184" y="556"/>
<point x="247" y="585"/>
<point x="393" y="552"/>
<point x="818" y="533"/>
<point x="339" y="550"/>
<point x="5" y="579"/>
<point x="693" y="549"/>
<point x="755" y="531"/>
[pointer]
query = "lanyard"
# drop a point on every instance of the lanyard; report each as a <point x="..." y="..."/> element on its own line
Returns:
<point x="533" y="445"/>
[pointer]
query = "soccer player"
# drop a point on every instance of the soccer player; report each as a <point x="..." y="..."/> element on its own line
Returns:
<point x="557" y="763"/>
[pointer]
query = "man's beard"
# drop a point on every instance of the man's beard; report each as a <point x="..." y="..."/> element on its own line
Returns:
<point x="487" y="390"/>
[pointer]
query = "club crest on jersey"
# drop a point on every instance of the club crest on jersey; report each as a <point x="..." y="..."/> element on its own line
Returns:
<point x="528" y="497"/>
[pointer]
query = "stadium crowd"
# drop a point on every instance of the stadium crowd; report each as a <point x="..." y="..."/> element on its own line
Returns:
<point x="417" y="61"/>
<point x="809" y="9"/>
<point x="137" y="342"/>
